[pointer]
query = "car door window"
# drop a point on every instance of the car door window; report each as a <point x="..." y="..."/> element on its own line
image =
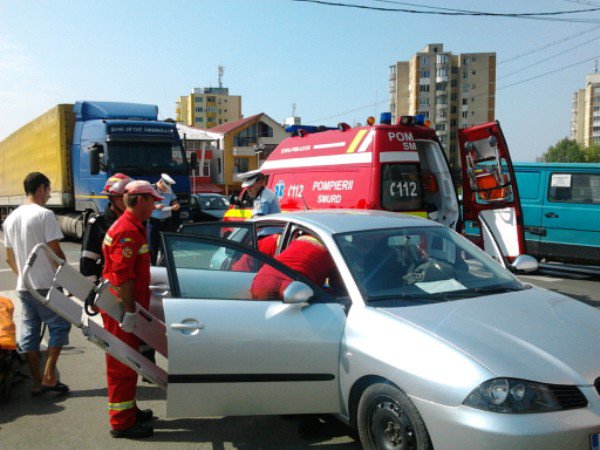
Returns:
<point x="209" y="268"/>
<point x="574" y="188"/>
<point x="241" y="232"/>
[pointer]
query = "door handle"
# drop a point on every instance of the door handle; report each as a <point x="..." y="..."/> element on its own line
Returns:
<point x="187" y="326"/>
<point x="160" y="291"/>
<point x="551" y="215"/>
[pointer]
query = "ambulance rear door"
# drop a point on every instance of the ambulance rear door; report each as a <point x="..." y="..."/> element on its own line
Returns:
<point x="492" y="215"/>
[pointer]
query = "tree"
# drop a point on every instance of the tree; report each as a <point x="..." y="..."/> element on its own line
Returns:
<point x="565" y="150"/>
<point x="592" y="153"/>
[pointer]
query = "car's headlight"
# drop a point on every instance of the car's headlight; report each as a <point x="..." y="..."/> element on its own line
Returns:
<point x="513" y="396"/>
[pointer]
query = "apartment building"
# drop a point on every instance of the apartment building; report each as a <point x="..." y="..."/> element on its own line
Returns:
<point x="452" y="91"/>
<point x="585" y="118"/>
<point x="208" y="107"/>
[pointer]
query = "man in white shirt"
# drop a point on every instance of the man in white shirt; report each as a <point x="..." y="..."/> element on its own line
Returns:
<point x="162" y="216"/>
<point x="28" y="225"/>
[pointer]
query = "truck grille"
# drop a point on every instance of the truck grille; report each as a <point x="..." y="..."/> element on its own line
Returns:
<point x="569" y="397"/>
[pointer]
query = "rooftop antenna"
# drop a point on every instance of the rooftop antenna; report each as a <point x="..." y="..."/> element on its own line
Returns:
<point x="294" y="105"/>
<point x="596" y="66"/>
<point x="221" y="71"/>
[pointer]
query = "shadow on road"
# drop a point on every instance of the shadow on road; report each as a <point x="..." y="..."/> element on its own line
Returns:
<point x="265" y="432"/>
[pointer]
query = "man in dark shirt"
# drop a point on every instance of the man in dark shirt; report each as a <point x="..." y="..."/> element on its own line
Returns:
<point x="92" y="261"/>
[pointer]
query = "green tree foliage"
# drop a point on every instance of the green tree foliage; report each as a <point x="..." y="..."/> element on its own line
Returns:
<point x="593" y="153"/>
<point x="567" y="150"/>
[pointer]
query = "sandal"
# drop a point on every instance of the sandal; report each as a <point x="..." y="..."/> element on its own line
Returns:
<point x="59" y="387"/>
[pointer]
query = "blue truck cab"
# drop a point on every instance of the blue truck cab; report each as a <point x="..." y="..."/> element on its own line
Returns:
<point x="112" y="137"/>
<point x="561" y="209"/>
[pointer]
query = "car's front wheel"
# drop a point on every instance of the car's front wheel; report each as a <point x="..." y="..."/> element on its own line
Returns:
<point x="388" y="420"/>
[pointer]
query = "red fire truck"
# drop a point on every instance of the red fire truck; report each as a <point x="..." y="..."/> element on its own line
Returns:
<point x="403" y="168"/>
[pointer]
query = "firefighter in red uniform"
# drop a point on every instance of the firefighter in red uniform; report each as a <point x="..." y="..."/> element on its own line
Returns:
<point x="127" y="267"/>
<point x="306" y="255"/>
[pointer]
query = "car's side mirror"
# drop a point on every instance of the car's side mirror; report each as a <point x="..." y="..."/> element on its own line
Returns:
<point x="297" y="292"/>
<point x="96" y="155"/>
<point x="524" y="264"/>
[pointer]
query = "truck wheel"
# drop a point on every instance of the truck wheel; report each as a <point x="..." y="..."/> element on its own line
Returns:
<point x="388" y="420"/>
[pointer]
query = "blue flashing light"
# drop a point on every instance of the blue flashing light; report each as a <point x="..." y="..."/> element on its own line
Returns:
<point x="385" y="118"/>
<point x="419" y="119"/>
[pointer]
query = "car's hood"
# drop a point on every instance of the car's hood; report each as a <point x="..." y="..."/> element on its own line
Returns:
<point x="531" y="334"/>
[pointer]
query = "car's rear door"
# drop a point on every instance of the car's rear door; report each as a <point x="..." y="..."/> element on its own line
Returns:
<point x="490" y="196"/>
<point x="232" y="355"/>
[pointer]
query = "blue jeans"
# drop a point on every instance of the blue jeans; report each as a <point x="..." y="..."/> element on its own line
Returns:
<point x="32" y="316"/>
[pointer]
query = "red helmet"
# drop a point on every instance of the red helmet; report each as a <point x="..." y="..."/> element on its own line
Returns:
<point x="115" y="185"/>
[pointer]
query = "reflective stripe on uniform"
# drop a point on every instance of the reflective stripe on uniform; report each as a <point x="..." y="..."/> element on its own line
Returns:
<point x="121" y="406"/>
<point x="311" y="239"/>
<point x="143" y="249"/>
<point x="90" y="255"/>
<point x="107" y="240"/>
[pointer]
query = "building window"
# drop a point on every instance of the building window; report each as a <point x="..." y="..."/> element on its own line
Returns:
<point x="211" y="99"/>
<point x="465" y="114"/>
<point x="424" y="101"/>
<point x="424" y="60"/>
<point x="199" y="109"/>
<point x="423" y="88"/>
<point x="442" y="72"/>
<point x="473" y="73"/>
<point x="424" y="74"/>
<point x="206" y="169"/>
<point x="465" y="101"/>
<point x="240" y="165"/>
<point x="199" y="119"/>
<point x="198" y="99"/>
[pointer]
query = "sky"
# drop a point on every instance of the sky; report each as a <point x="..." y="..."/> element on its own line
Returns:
<point x="330" y="62"/>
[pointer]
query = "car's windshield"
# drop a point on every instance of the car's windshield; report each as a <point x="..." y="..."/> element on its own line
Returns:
<point x="146" y="158"/>
<point x="415" y="265"/>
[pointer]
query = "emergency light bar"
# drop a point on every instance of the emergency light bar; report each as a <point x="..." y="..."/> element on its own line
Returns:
<point x="418" y="119"/>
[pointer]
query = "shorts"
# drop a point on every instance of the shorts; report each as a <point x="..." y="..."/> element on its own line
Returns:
<point x="32" y="316"/>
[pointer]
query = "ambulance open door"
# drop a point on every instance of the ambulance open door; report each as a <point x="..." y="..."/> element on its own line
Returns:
<point x="492" y="215"/>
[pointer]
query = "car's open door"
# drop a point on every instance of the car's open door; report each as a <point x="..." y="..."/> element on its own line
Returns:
<point x="230" y="354"/>
<point x="492" y="213"/>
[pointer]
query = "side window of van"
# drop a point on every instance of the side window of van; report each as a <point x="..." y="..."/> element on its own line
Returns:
<point x="574" y="188"/>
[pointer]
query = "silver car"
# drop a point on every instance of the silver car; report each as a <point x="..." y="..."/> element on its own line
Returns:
<point x="419" y="339"/>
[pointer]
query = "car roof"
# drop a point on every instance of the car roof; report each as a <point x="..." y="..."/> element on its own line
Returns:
<point x="350" y="220"/>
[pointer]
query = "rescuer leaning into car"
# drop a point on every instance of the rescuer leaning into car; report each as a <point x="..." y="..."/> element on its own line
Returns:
<point x="305" y="254"/>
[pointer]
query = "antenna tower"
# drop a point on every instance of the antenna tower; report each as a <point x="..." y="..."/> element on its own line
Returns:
<point x="221" y="71"/>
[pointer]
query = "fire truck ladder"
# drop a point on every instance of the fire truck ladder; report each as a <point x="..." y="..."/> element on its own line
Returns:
<point x="67" y="297"/>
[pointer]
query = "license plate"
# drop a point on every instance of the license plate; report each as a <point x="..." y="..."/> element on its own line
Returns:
<point x="595" y="441"/>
